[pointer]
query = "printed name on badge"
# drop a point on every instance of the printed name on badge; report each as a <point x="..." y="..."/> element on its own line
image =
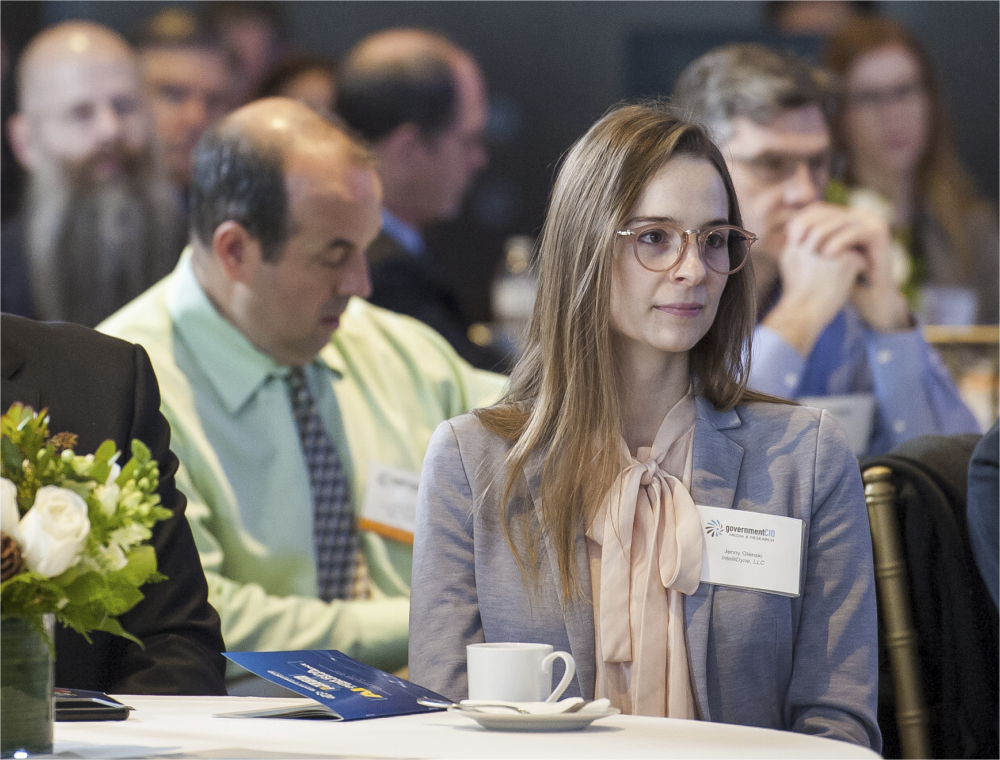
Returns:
<point x="752" y="550"/>
<point x="390" y="505"/>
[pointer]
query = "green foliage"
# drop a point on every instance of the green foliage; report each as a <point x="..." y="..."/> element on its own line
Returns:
<point x="113" y="563"/>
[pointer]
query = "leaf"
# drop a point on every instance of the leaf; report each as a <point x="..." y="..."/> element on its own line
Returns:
<point x="128" y="471"/>
<point x="119" y="598"/>
<point x="105" y="451"/>
<point x="29" y="594"/>
<point x="11" y="460"/>
<point x="141" y="565"/>
<point x="140" y="451"/>
<point x="99" y="472"/>
<point x="87" y="587"/>
<point x="111" y="625"/>
<point x="68" y="576"/>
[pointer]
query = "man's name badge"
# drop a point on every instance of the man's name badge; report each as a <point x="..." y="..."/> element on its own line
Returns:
<point x="752" y="550"/>
<point x="390" y="505"/>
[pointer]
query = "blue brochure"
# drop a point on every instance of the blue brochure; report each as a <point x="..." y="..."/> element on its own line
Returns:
<point x="346" y="689"/>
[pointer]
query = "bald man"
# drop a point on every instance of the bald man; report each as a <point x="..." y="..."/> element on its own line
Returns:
<point x="99" y="222"/>
<point x="296" y="406"/>
<point x="421" y="102"/>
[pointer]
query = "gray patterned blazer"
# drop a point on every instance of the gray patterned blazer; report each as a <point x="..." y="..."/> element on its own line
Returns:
<point x="806" y="664"/>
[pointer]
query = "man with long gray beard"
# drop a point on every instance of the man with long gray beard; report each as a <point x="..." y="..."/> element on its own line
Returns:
<point x="99" y="223"/>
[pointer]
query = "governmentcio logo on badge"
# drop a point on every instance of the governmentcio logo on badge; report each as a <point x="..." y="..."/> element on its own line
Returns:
<point x="715" y="528"/>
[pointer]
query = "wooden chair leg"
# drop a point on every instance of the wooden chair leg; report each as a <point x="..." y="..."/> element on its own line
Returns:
<point x="897" y="617"/>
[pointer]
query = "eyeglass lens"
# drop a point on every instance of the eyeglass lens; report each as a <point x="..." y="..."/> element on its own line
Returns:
<point x="771" y="168"/>
<point x="878" y="98"/>
<point x="723" y="249"/>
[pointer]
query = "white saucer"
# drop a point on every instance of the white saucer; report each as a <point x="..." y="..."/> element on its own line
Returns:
<point x="557" y="722"/>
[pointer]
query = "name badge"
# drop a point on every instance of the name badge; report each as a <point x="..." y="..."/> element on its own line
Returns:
<point x="751" y="550"/>
<point x="390" y="505"/>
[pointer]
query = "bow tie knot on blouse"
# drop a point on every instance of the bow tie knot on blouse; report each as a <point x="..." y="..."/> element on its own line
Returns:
<point x="646" y="552"/>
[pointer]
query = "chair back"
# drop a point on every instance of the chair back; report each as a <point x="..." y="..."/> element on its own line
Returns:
<point x="938" y="626"/>
<point x="895" y="615"/>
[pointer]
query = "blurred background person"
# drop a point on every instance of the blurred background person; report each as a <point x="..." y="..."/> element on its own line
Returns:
<point x="99" y="223"/>
<point x="832" y="322"/>
<point x="187" y="77"/>
<point x="254" y="36"/>
<point x="310" y="79"/>
<point x="421" y="102"/>
<point x="892" y="125"/>
<point x="983" y="509"/>
<point x="809" y="17"/>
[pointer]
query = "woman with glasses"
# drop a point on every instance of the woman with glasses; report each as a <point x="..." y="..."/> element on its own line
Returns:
<point x="892" y="127"/>
<point x="577" y="510"/>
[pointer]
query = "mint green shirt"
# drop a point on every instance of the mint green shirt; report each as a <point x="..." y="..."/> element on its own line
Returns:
<point x="382" y="385"/>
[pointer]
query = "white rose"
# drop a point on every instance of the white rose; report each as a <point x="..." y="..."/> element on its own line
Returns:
<point x="9" y="514"/>
<point x="53" y="531"/>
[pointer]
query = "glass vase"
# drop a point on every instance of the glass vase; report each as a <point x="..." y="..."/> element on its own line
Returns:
<point x="26" y="704"/>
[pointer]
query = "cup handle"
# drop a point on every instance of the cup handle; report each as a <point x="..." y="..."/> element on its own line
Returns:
<point x="567" y="676"/>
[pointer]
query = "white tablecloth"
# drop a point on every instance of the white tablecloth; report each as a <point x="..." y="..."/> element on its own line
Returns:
<point x="183" y="727"/>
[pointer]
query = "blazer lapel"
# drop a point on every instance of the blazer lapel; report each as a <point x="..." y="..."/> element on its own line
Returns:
<point x="578" y="618"/>
<point x="716" y="471"/>
<point x="14" y="389"/>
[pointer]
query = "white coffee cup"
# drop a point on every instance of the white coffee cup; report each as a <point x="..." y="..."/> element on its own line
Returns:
<point x="513" y="672"/>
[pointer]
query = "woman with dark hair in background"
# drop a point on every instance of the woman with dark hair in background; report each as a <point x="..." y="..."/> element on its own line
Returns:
<point x="892" y="126"/>
<point x="566" y="514"/>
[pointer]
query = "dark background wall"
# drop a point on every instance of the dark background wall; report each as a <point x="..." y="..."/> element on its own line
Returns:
<point x="553" y="67"/>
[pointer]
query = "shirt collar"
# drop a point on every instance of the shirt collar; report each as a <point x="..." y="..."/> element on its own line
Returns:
<point x="233" y="365"/>
<point x="408" y="237"/>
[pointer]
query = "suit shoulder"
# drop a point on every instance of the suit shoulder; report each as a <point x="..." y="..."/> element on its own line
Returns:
<point x="761" y="412"/>
<point x="62" y="342"/>
<point x="781" y="427"/>
<point x="471" y="436"/>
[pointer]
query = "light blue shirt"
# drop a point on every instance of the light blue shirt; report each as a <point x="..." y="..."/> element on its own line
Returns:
<point x="914" y="393"/>
<point x="408" y="237"/>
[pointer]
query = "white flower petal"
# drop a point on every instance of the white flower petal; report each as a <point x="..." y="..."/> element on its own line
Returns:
<point x="53" y="531"/>
<point x="9" y="514"/>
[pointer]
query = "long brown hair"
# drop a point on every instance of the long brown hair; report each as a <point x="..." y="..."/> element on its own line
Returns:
<point x="565" y="391"/>
<point x="943" y="184"/>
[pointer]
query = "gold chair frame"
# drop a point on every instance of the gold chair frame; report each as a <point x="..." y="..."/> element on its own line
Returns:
<point x="897" y="616"/>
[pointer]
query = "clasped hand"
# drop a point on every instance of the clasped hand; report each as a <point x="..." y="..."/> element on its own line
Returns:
<point x="835" y="254"/>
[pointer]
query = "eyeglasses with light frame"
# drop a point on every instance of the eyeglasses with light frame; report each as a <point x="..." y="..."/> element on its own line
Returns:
<point x="659" y="246"/>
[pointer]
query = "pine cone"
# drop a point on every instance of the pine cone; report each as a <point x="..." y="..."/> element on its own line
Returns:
<point x="10" y="557"/>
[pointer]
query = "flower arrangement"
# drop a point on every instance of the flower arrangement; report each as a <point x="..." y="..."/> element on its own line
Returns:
<point x="73" y="527"/>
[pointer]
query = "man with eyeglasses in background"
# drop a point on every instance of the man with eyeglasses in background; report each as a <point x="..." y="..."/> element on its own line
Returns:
<point x="833" y="321"/>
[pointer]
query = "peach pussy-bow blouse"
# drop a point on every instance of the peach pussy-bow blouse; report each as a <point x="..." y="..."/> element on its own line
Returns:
<point x="645" y="551"/>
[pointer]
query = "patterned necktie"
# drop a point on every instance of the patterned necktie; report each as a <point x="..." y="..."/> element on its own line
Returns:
<point x="340" y="567"/>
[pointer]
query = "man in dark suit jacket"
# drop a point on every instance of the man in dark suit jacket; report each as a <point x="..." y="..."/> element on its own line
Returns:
<point x="100" y="387"/>
<point x="409" y="285"/>
<point x="420" y="101"/>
